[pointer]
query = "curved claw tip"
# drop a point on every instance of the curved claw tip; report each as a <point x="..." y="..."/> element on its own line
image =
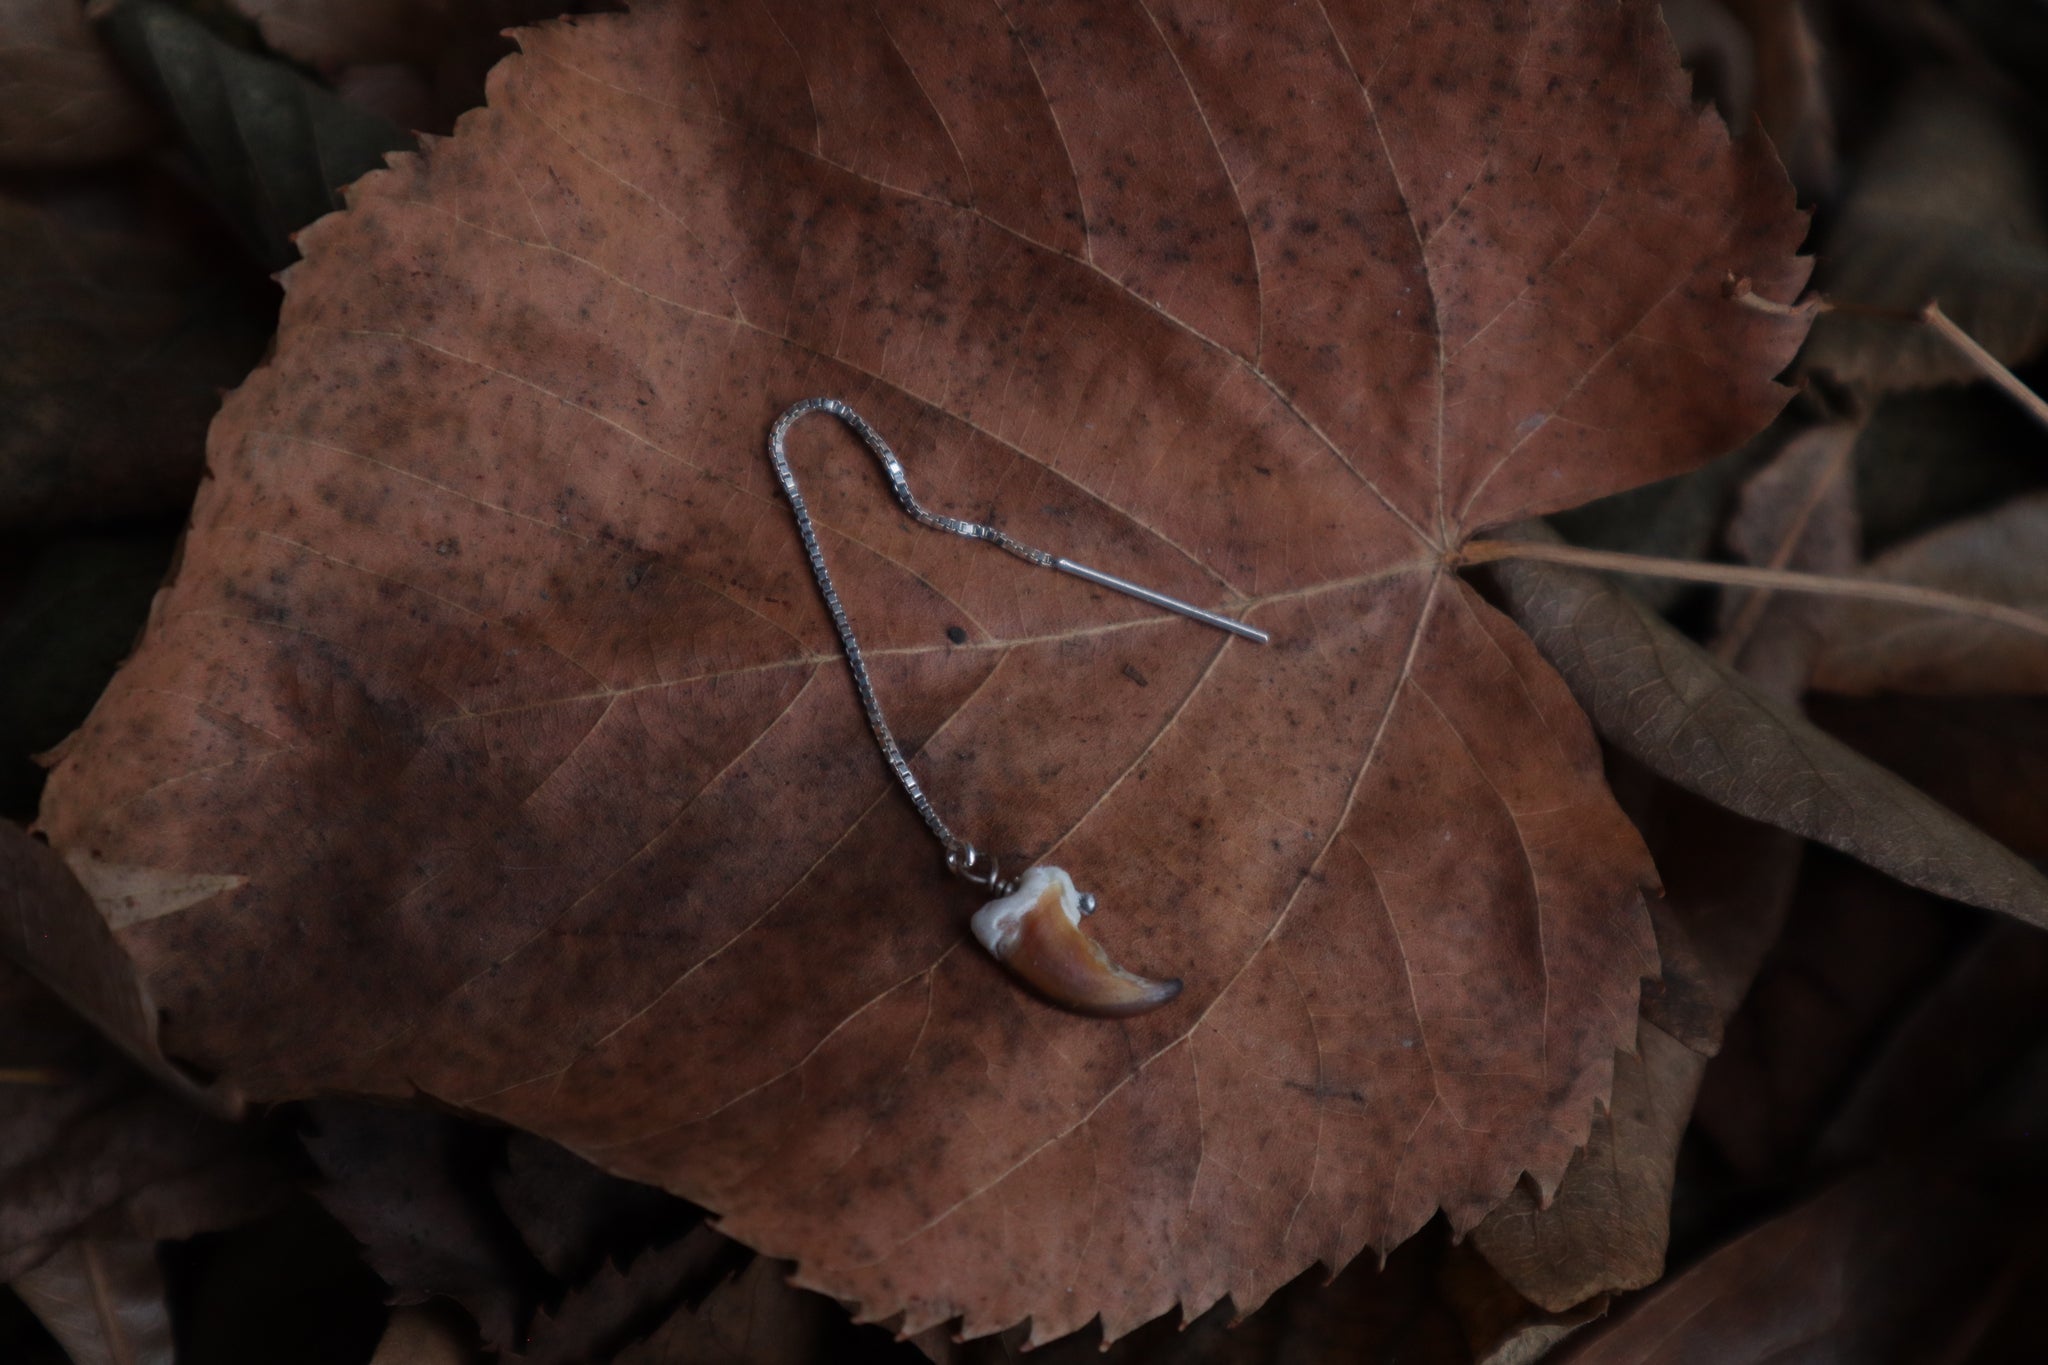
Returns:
<point x="1036" y="932"/>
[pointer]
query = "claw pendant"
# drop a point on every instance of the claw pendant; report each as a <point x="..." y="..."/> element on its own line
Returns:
<point x="1036" y="932"/>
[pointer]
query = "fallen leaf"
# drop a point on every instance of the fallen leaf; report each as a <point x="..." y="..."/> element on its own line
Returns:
<point x="1946" y="208"/>
<point x="754" y="1318"/>
<point x="90" y="1145"/>
<point x="1393" y="1313"/>
<point x="1798" y="512"/>
<point x="63" y="101"/>
<point x="125" y="321"/>
<point x="1890" y="647"/>
<point x="1856" y="950"/>
<point x="1791" y="93"/>
<point x="103" y="1301"/>
<point x="573" y="1216"/>
<point x="494" y="664"/>
<point x="404" y="1185"/>
<point x="1728" y="883"/>
<point x="57" y="934"/>
<point x="1606" y="1228"/>
<point x="1686" y="716"/>
<point x="1971" y="1029"/>
<point x="273" y="147"/>
<point x="417" y="1336"/>
<point x="1986" y="758"/>
<point x="622" y="1304"/>
<point x="66" y="621"/>
<point x="452" y="44"/>
<point x="1926" y="459"/>
<point x="1894" y="1266"/>
<point x="1501" y="1327"/>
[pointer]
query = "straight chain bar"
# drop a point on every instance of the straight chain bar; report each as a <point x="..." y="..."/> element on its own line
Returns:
<point x="962" y="857"/>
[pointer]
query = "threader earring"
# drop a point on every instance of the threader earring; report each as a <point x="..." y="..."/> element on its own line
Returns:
<point x="1033" y="927"/>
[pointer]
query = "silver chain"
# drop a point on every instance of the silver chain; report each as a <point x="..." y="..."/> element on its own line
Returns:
<point x="962" y="857"/>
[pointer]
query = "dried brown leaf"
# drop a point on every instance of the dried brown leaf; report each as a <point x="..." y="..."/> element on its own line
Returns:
<point x="1858" y="948"/>
<point x="104" y="1301"/>
<point x="1395" y="1313"/>
<point x="1892" y="1267"/>
<point x="754" y="1318"/>
<point x="1606" y="1228"/>
<point x="623" y="1304"/>
<point x="1727" y="884"/>
<point x="495" y="668"/>
<point x="1663" y="700"/>
<point x="1887" y="647"/>
<point x="90" y="1145"/>
<point x="125" y="320"/>
<point x="407" y="1186"/>
<point x="1797" y="512"/>
<point x="573" y="1216"/>
<point x="1947" y="208"/>
<point x="418" y="1336"/>
<point x="1986" y="758"/>
<point x="63" y="101"/>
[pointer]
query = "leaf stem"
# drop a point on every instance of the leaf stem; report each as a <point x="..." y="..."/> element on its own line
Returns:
<point x="31" y="1075"/>
<point x="1989" y="365"/>
<point x="1747" y="576"/>
<point x="1729" y="646"/>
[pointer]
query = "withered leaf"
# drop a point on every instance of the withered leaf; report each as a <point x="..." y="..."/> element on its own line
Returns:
<point x="448" y="46"/>
<point x="418" y="1336"/>
<point x="572" y="1215"/>
<point x="90" y="1145"/>
<point x="273" y="147"/>
<point x="1894" y="1266"/>
<point x="1856" y="950"/>
<point x="408" y="1187"/>
<point x="495" y="668"/>
<point x="621" y="1304"/>
<point x="1986" y="758"/>
<point x="752" y="1318"/>
<point x="63" y="101"/>
<point x="94" y="1149"/>
<point x="1947" y="208"/>
<point x="1890" y="647"/>
<point x="1369" y="1312"/>
<point x="125" y="319"/>
<point x="104" y="1301"/>
<point x="1727" y="884"/>
<point x="1663" y="700"/>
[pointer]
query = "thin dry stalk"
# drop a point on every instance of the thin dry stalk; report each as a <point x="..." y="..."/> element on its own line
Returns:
<point x="1739" y="630"/>
<point x="1989" y="365"/>
<point x="1745" y="576"/>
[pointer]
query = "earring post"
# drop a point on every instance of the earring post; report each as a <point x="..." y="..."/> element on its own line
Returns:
<point x="1160" y="599"/>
